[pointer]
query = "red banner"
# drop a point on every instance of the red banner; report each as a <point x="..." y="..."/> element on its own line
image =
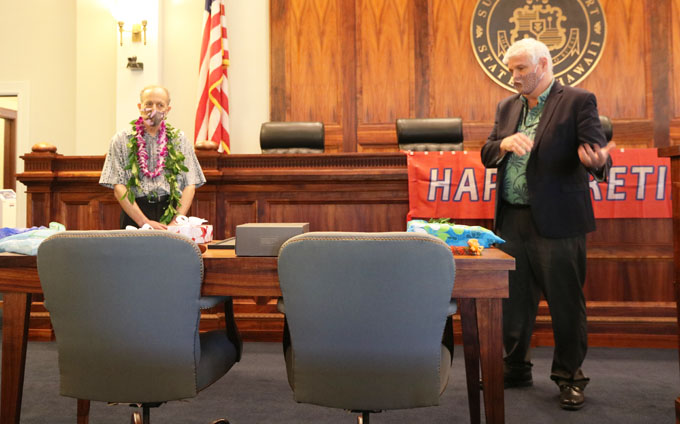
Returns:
<point x="456" y="185"/>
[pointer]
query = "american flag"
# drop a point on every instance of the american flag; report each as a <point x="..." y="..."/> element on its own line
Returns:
<point x="212" y="113"/>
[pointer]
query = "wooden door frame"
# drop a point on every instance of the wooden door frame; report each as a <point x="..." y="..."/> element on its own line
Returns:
<point x="10" y="148"/>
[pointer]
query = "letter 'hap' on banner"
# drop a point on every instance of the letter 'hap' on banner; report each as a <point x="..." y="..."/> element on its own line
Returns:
<point x="456" y="185"/>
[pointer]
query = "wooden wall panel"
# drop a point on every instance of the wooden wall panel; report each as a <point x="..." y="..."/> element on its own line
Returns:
<point x="74" y="210"/>
<point x="659" y="52"/>
<point x="108" y="212"/>
<point x="623" y="231"/>
<point x="630" y="259"/>
<point x="203" y="205"/>
<point x="675" y="71"/>
<point x="624" y="63"/>
<point x="239" y="212"/>
<point x="459" y="87"/>
<point x="621" y="280"/>
<point x="307" y="39"/>
<point x="413" y="58"/>
<point x="39" y="206"/>
<point x="675" y="56"/>
<point x="341" y="216"/>
<point x="384" y="66"/>
<point x="314" y="63"/>
<point x="385" y="72"/>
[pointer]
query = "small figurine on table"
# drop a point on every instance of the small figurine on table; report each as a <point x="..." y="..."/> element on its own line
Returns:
<point x="474" y="248"/>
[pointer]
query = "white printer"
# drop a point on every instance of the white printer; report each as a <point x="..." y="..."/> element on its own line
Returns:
<point x="8" y="208"/>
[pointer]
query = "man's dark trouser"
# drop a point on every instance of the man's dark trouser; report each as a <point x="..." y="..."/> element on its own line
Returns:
<point x="555" y="267"/>
<point x="151" y="209"/>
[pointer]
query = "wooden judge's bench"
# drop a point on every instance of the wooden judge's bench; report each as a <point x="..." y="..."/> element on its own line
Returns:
<point x="629" y="288"/>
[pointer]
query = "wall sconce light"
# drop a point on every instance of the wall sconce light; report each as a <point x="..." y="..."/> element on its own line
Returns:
<point x="137" y="30"/>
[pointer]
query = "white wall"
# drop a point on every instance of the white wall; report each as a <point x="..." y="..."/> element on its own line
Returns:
<point x="65" y="65"/>
<point x="182" y="22"/>
<point x="95" y="78"/>
<point x="37" y="41"/>
<point x="248" y="35"/>
<point x="129" y="82"/>
<point x="248" y="26"/>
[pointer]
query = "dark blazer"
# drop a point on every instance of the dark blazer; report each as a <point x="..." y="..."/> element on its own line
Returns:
<point x="557" y="180"/>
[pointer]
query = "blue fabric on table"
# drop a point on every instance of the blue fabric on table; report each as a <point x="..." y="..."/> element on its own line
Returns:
<point x="454" y="234"/>
<point x="27" y="242"/>
<point x="9" y="231"/>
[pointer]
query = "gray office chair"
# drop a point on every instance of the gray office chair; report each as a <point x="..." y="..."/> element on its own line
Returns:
<point x="365" y="314"/>
<point x="430" y="134"/>
<point x="607" y="127"/>
<point x="292" y="137"/>
<point x="125" y="307"/>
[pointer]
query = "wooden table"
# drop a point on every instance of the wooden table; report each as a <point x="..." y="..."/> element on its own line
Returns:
<point x="481" y="283"/>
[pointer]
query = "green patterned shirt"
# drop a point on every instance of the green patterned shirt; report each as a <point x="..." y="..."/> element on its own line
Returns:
<point x="515" y="188"/>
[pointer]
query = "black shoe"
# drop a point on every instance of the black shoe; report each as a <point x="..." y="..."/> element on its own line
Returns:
<point x="517" y="377"/>
<point x="571" y="397"/>
<point x="521" y="381"/>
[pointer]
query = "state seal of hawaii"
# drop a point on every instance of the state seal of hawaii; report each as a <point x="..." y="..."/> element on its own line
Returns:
<point x="574" y="31"/>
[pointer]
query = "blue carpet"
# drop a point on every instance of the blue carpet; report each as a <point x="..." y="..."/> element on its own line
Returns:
<point x="627" y="386"/>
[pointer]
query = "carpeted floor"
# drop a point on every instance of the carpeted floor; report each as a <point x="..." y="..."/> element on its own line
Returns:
<point x="627" y="386"/>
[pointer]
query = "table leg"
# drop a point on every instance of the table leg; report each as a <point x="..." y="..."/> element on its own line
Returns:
<point x="83" y="411"/>
<point x="490" y="324"/>
<point x="16" y="311"/>
<point x="468" y="322"/>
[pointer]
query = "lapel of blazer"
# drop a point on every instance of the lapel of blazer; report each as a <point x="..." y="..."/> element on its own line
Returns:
<point x="513" y="117"/>
<point x="551" y="103"/>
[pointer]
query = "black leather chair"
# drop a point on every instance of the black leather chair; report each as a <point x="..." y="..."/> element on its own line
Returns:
<point x="607" y="127"/>
<point x="292" y="137"/>
<point x="430" y="134"/>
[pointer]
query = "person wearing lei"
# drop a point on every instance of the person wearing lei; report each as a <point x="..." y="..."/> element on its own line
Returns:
<point x="152" y="168"/>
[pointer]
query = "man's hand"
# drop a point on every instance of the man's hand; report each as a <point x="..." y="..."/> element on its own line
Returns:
<point x="594" y="157"/>
<point x="156" y="225"/>
<point x="517" y="143"/>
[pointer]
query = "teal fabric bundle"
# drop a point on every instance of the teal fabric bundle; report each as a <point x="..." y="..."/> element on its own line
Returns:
<point x="27" y="242"/>
<point x="454" y="234"/>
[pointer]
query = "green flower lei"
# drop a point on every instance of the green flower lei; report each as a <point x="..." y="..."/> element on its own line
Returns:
<point x="173" y="166"/>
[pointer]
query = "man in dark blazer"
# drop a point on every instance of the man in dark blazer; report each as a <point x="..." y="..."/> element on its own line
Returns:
<point x="545" y="142"/>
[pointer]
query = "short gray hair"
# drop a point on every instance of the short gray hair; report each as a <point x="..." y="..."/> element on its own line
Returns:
<point x="531" y="47"/>
<point x="152" y="87"/>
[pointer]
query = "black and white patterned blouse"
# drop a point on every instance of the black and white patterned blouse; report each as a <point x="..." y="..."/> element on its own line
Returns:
<point x="114" y="171"/>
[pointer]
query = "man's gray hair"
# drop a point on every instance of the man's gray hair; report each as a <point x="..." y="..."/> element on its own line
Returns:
<point x="151" y="87"/>
<point x="531" y="47"/>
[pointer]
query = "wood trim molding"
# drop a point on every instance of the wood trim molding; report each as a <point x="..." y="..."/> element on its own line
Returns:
<point x="659" y="15"/>
<point x="349" y="75"/>
<point x="10" y="148"/>
<point x="8" y="113"/>
<point x="277" y="74"/>
<point x="421" y="30"/>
